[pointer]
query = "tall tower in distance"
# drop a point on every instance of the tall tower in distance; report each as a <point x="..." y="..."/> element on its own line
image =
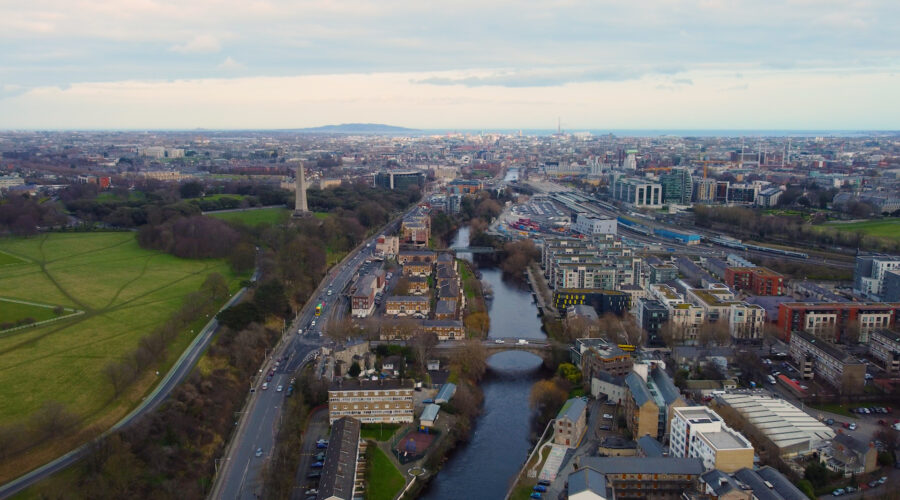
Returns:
<point x="300" y="206"/>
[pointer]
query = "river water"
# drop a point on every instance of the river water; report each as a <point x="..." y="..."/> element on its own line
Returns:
<point x="484" y="467"/>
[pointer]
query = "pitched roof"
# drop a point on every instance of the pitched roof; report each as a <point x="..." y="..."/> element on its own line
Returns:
<point x="430" y="412"/>
<point x="638" y="389"/>
<point x="587" y="479"/>
<point x="650" y="447"/>
<point x="572" y="410"/>
<point x="850" y="442"/>
<point x="339" y="469"/>
<point x="659" y="465"/>
<point x="664" y="385"/>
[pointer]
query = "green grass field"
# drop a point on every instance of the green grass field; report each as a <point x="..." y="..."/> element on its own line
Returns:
<point x="10" y="312"/>
<point x="885" y="228"/>
<point x="10" y="260"/>
<point x="271" y="215"/>
<point x="378" y="432"/>
<point x="125" y="292"/>
<point x="384" y="480"/>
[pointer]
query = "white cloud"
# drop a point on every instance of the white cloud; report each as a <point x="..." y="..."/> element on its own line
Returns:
<point x="199" y="44"/>
<point x="229" y="64"/>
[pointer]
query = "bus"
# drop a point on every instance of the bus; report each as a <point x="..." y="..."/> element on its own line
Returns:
<point x="627" y="347"/>
<point x="319" y="309"/>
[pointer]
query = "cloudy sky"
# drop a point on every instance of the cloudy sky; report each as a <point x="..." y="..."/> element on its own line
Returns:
<point x="623" y="64"/>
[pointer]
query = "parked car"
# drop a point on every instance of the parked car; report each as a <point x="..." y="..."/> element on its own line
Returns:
<point x="279" y="388"/>
<point x="499" y="341"/>
<point x="311" y="492"/>
<point x="852" y="426"/>
<point x="829" y="421"/>
<point x="265" y="385"/>
<point x="540" y="488"/>
<point x="258" y="452"/>
<point x="535" y="495"/>
<point x="317" y="465"/>
<point x="315" y="474"/>
<point x="838" y="492"/>
<point x="607" y="415"/>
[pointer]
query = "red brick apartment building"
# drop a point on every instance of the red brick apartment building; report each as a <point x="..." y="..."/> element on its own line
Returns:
<point x="833" y="319"/>
<point x="756" y="280"/>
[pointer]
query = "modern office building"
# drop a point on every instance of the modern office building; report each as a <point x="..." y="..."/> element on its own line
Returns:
<point x="401" y="180"/>
<point x="677" y="186"/>
<point x="638" y="192"/>
<point x="589" y="225"/>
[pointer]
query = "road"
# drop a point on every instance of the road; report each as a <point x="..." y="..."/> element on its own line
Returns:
<point x="238" y="475"/>
<point x="177" y="373"/>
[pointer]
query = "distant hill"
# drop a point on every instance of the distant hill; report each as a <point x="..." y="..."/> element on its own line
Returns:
<point x="358" y="128"/>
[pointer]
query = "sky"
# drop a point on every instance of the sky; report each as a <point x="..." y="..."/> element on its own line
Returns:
<point x="262" y="64"/>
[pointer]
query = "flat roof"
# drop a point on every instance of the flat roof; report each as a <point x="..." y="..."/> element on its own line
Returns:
<point x="370" y="385"/>
<point x="783" y="423"/>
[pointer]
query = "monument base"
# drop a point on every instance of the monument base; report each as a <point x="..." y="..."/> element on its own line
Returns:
<point x="300" y="214"/>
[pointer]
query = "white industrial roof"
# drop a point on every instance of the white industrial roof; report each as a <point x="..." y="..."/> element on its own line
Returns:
<point x="783" y="423"/>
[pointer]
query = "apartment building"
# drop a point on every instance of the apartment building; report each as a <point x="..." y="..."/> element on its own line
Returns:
<point x="884" y="345"/>
<point x="603" y="301"/>
<point x="570" y="423"/>
<point x="835" y="320"/>
<point x="819" y="358"/>
<point x="870" y="271"/>
<point x="597" y="355"/>
<point x="445" y="329"/>
<point x="745" y="321"/>
<point x="363" y="299"/>
<point x="699" y="432"/>
<point x="646" y="477"/>
<point x="651" y="315"/>
<point x="407" y="305"/>
<point x="418" y="256"/>
<point x="371" y="401"/>
<point x="641" y="410"/>
<point x="418" y="269"/>
<point x="756" y="280"/>
<point x="661" y="273"/>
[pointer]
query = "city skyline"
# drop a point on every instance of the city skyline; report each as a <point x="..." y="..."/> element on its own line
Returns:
<point x="663" y="65"/>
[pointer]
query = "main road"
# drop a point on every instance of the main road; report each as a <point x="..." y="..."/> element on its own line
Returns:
<point x="238" y="473"/>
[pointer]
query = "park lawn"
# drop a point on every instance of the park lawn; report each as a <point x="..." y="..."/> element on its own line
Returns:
<point x="378" y="432"/>
<point x="271" y="215"/>
<point x="125" y="291"/>
<point x="10" y="260"/>
<point x="321" y="215"/>
<point x="214" y="197"/>
<point x="883" y="228"/>
<point x="10" y="312"/>
<point x="384" y="481"/>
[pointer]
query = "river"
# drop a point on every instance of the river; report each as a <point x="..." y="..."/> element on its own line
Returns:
<point x="484" y="467"/>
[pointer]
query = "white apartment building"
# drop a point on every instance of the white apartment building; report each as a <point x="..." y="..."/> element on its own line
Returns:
<point x="699" y="432"/>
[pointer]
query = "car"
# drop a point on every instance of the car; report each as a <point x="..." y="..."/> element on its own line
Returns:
<point x="279" y="388"/>
<point x="312" y="323"/>
<point x="605" y="428"/>
<point x="269" y="378"/>
<point x="320" y="456"/>
<point x="427" y="401"/>
<point x="523" y="342"/>
<point x="776" y="373"/>
<point x="838" y="492"/>
<point x="258" y="452"/>
<point x="873" y="484"/>
<point x="852" y="426"/>
<point x="265" y="385"/>
<point x="882" y="480"/>
<point x="314" y="474"/>
<point x="829" y="421"/>
<point x="607" y="415"/>
<point x="850" y="489"/>
<point x="311" y="492"/>
<point x="881" y="421"/>
<point x="321" y="446"/>
<point x="540" y="488"/>
<point x="535" y="495"/>
<point x="317" y="465"/>
<point x="300" y="331"/>
<point x="290" y="391"/>
<point x="499" y="341"/>
<point x="544" y="482"/>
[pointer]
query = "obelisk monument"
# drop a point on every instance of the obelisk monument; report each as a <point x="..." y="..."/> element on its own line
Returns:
<point x="300" y="207"/>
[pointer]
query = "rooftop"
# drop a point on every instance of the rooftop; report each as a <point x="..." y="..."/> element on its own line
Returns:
<point x="827" y="347"/>
<point x="647" y="465"/>
<point x="370" y="385"/>
<point x="339" y="469"/>
<point x="572" y="409"/>
<point x="587" y="479"/>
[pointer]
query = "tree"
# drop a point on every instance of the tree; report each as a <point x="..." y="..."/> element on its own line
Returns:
<point x="270" y="298"/>
<point x="191" y="189"/>
<point x="52" y="419"/>
<point x="354" y="370"/>
<point x="340" y="330"/>
<point x="401" y="287"/>
<point x="472" y="358"/>
<point x="120" y="374"/>
<point x="569" y="372"/>
<point x="240" y="316"/>
<point x="242" y="258"/>
<point x="545" y="399"/>
<point x="215" y="287"/>
<point x="422" y="345"/>
<point x="478" y="323"/>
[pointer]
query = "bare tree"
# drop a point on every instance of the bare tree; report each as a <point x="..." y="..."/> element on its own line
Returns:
<point x="52" y="419"/>
<point x="120" y="374"/>
<point x="472" y="358"/>
<point x="422" y="345"/>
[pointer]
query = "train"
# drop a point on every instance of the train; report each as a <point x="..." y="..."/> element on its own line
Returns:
<point x="737" y="244"/>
